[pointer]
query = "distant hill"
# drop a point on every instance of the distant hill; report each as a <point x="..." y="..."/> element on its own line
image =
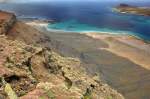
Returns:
<point x="125" y="8"/>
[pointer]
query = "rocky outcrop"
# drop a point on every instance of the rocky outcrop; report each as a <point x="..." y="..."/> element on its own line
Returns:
<point x="31" y="72"/>
<point x="6" y="21"/>
<point x="35" y="72"/>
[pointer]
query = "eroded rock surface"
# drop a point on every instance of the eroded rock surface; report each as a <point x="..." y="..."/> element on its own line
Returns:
<point x="6" y="21"/>
<point x="33" y="73"/>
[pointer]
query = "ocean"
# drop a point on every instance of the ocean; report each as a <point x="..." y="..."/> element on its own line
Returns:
<point x="85" y="17"/>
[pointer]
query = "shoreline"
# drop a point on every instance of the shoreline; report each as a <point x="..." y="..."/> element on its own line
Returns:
<point x="123" y="56"/>
<point x="128" y="47"/>
<point x="42" y="23"/>
<point x="124" y="45"/>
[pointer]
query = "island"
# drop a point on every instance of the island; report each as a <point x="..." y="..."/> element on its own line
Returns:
<point x="125" y="8"/>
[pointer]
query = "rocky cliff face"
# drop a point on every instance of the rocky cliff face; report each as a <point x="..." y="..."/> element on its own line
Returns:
<point x="33" y="72"/>
<point x="6" y="21"/>
<point x="30" y="71"/>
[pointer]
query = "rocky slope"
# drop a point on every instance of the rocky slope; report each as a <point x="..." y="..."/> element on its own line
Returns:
<point x="121" y="60"/>
<point x="37" y="72"/>
<point x="6" y="21"/>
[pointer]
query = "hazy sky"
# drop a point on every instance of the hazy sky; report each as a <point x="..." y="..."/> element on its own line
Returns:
<point x="64" y="0"/>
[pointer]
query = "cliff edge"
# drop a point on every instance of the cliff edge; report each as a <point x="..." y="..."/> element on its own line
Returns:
<point x="34" y="72"/>
<point x="6" y="21"/>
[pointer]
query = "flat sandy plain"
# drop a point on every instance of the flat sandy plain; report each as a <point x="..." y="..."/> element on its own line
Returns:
<point x="123" y="61"/>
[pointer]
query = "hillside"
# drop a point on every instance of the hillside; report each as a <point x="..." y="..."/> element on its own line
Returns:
<point x="121" y="60"/>
<point x="30" y="70"/>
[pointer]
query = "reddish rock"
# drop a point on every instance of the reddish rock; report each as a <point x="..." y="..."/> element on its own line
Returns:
<point x="6" y="21"/>
<point x="35" y="94"/>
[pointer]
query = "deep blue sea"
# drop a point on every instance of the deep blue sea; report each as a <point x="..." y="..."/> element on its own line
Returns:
<point x="85" y="16"/>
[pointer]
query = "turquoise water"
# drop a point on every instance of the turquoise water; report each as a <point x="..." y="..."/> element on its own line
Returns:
<point x="72" y="26"/>
<point x="75" y="26"/>
<point x="86" y="16"/>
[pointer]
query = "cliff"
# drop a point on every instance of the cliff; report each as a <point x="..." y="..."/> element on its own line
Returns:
<point x="6" y="21"/>
<point x="124" y="8"/>
<point x="37" y="72"/>
<point x="29" y="68"/>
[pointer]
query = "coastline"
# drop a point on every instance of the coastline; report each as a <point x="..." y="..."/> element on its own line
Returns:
<point x="130" y="46"/>
<point x="110" y="57"/>
<point x="126" y="46"/>
<point x="120" y="59"/>
<point x="43" y="23"/>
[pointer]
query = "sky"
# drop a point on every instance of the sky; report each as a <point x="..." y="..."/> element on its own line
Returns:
<point x="19" y="1"/>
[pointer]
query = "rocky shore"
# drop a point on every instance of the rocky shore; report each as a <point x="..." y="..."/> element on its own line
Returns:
<point x="31" y="69"/>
